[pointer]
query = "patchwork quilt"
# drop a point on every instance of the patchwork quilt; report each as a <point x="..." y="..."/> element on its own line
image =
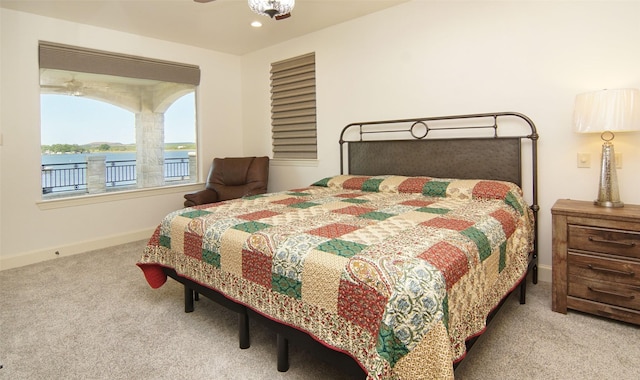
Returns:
<point x="395" y="271"/>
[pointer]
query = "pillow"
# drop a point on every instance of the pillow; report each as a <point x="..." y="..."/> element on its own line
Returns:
<point x="430" y="187"/>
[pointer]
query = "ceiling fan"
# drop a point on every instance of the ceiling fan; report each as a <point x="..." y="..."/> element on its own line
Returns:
<point x="74" y="87"/>
<point x="277" y="9"/>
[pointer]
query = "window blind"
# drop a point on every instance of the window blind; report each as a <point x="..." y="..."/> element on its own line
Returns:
<point x="293" y="108"/>
<point x="72" y="58"/>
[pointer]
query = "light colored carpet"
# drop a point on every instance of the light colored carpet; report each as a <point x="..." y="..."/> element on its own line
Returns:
<point x="93" y="316"/>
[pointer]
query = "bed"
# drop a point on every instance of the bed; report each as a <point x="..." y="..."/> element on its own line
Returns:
<point x="394" y="264"/>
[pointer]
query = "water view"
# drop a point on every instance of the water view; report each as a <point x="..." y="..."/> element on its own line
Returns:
<point x="68" y="172"/>
<point x="72" y="158"/>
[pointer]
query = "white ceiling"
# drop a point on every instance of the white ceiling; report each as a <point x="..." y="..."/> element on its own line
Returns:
<point x="222" y="25"/>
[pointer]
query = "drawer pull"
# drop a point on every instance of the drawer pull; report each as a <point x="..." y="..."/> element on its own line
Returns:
<point x="623" y="243"/>
<point x="607" y="270"/>
<point x="628" y="296"/>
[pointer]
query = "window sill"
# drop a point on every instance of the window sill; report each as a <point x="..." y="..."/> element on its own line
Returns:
<point x="287" y="162"/>
<point x="84" y="200"/>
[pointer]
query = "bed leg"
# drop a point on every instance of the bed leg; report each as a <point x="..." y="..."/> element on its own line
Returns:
<point x="523" y="290"/>
<point x="243" y="328"/>
<point x="188" y="299"/>
<point x="535" y="273"/>
<point x="196" y="296"/>
<point x="283" y="353"/>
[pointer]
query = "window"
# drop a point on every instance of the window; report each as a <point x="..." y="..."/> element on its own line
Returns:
<point x="112" y="122"/>
<point x="293" y="108"/>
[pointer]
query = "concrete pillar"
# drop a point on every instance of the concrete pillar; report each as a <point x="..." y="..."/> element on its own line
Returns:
<point x="149" y="149"/>
<point x="96" y="174"/>
<point x="193" y="167"/>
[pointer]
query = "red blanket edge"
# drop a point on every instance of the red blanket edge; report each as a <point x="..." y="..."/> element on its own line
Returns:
<point x="154" y="274"/>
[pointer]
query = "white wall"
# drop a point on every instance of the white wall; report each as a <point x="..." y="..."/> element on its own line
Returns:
<point x="426" y="58"/>
<point x="28" y="232"/>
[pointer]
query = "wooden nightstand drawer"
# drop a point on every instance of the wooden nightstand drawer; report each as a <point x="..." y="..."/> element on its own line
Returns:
<point x="605" y="292"/>
<point x="604" y="269"/>
<point x="596" y="239"/>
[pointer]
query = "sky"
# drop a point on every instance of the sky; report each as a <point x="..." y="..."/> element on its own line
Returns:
<point x="76" y="120"/>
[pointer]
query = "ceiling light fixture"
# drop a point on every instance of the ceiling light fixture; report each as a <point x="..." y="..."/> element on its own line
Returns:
<point x="272" y="8"/>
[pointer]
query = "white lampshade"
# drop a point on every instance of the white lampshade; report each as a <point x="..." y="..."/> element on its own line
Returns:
<point x="607" y="110"/>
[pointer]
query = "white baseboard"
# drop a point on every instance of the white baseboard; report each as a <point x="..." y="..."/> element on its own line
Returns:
<point x="544" y="273"/>
<point x="49" y="253"/>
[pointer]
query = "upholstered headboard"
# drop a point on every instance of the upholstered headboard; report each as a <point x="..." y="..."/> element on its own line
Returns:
<point x="497" y="159"/>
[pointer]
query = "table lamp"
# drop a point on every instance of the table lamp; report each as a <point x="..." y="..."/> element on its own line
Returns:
<point x="606" y="112"/>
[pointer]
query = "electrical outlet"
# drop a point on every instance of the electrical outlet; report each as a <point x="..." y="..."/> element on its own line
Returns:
<point x="584" y="160"/>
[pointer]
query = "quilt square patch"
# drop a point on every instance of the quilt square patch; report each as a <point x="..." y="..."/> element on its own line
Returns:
<point x="372" y="184"/>
<point x="155" y="238"/>
<point x="193" y="245"/>
<point x="256" y="267"/>
<point x="413" y="185"/>
<point x="354" y="210"/>
<point x="288" y="201"/>
<point x="323" y="182"/>
<point x="262" y="214"/>
<point x="333" y="230"/>
<point x="503" y="257"/>
<point x="512" y="201"/>
<point x="303" y="205"/>
<point x="506" y="220"/>
<point x="490" y="190"/>
<point x="434" y="210"/>
<point x="354" y="183"/>
<point x="342" y="248"/>
<point x="165" y="241"/>
<point x="448" y="223"/>
<point x="361" y="305"/>
<point x="251" y="227"/>
<point x="376" y="215"/>
<point x="435" y="189"/>
<point x="299" y="194"/>
<point x="195" y="213"/>
<point x="211" y="257"/>
<point x="449" y="259"/>
<point x="417" y="203"/>
<point x="286" y="286"/>
<point x="480" y="240"/>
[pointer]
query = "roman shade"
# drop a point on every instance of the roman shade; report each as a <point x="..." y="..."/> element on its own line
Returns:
<point x="293" y="108"/>
<point x="72" y="58"/>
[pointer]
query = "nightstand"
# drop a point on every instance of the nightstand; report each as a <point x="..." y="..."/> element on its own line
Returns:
<point x="596" y="259"/>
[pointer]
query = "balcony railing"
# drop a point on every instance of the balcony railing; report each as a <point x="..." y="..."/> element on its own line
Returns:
<point x="58" y="178"/>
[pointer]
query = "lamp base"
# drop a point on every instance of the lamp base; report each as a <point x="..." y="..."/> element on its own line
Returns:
<point x="608" y="195"/>
<point x="608" y="203"/>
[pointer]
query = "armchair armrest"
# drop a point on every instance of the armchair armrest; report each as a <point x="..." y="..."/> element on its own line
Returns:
<point x="200" y="197"/>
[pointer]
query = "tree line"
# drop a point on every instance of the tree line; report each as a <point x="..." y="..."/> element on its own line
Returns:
<point x="75" y="148"/>
<point x="89" y="148"/>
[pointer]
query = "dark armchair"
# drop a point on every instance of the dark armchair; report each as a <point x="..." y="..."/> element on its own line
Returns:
<point x="231" y="178"/>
